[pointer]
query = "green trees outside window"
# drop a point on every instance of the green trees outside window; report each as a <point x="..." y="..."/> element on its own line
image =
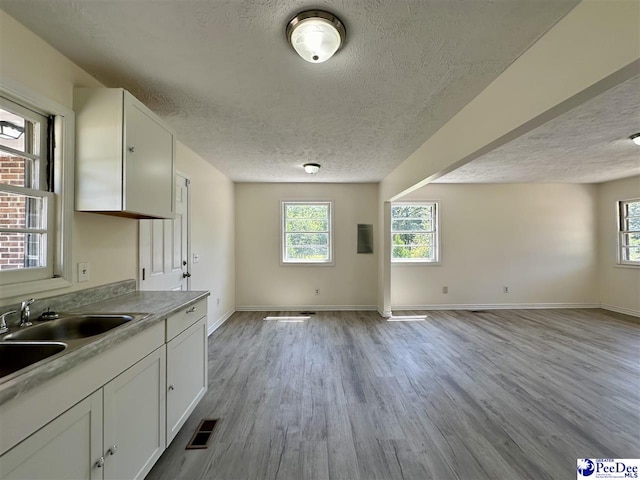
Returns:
<point x="306" y="232"/>
<point x="414" y="232"/>
<point x="630" y="232"/>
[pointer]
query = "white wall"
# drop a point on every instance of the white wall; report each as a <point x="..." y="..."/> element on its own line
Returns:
<point x="619" y="285"/>
<point x="562" y="271"/>
<point x="107" y="243"/>
<point x="539" y="239"/>
<point x="262" y="283"/>
<point x="212" y="233"/>
<point x="110" y="244"/>
<point x="554" y="74"/>
<point x="38" y="66"/>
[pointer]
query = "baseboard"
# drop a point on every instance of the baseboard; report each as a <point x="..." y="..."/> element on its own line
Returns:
<point x="626" y="311"/>
<point x="495" y="306"/>
<point x="218" y="323"/>
<point x="484" y="306"/>
<point x="302" y="308"/>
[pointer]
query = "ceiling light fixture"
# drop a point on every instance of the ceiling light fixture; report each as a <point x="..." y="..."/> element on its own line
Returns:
<point x="635" y="138"/>
<point x="316" y="35"/>
<point x="10" y="130"/>
<point x="311" y="168"/>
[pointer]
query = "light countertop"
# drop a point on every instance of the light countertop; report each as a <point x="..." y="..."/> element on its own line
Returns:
<point x="156" y="306"/>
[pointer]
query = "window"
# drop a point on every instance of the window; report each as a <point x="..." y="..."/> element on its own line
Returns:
<point x="307" y="233"/>
<point x="414" y="233"/>
<point x="36" y="192"/>
<point x="629" y="232"/>
<point x="25" y="195"/>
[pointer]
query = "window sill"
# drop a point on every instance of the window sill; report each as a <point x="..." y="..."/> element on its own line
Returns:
<point x="36" y="286"/>
<point x="417" y="264"/>
<point x="626" y="265"/>
<point x="307" y="264"/>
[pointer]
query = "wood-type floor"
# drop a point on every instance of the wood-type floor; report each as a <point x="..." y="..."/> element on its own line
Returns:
<point x="503" y="394"/>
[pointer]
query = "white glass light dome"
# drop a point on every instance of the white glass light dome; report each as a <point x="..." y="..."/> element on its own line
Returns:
<point x="311" y="168"/>
<point x="315" y="35"/>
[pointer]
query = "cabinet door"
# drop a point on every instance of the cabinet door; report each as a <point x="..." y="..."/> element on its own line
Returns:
<point x="186" y="375"/>
<point x="149" y="167"/>
<point x="134" y="418"/>
<point x="68" y="447"/>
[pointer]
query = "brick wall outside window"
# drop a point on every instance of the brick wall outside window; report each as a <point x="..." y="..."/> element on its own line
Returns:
<point x="12" y="213"/>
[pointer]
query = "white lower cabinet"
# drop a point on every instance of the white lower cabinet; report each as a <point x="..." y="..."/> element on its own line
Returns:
<point x="65" y="448"/>
<point x="121" y="429"/>
<point x="186" y="375"/>
<point x="134" y="419"/>
<point x="116" y="433"/>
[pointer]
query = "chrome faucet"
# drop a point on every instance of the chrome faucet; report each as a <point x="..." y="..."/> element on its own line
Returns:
<point x="25" y="313"/>
<point x="3" y="323"/>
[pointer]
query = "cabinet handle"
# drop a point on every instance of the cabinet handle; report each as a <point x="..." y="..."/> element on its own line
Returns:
<point x="100" y="462"/>
<point x="171" y="387"/>
<point x="192" y="309"/>
<point x="132" y="149"/>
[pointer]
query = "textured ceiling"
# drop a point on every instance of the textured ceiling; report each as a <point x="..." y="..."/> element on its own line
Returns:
<point x="222" y="74"/>
<point x="588" y="144"/>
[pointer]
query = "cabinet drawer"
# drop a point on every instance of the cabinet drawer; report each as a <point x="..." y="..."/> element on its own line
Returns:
<point x="182" y="320"/>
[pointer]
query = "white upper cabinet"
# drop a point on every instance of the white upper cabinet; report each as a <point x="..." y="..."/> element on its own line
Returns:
<point x="125" y="156"/>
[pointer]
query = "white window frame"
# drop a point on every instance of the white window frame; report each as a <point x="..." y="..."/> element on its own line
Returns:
<point x="283" y="232"/>
<point x="621" y="232"/>
<point x="61" y="208"/>
<point x="40" y="191"/>
<point x="435" y="231"/>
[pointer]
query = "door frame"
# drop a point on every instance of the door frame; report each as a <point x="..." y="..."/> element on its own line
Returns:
<point x="187" y="177"/>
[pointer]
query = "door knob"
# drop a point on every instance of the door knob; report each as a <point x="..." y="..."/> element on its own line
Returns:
<point x="100" y="462"/>
<point x="186" y="275"/>
<point x="112" y="450"/>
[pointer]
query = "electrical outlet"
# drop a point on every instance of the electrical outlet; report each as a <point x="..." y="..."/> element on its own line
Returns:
<point x="505" y="289"/>
<point x="196" y="258"/>
<point x="83" y="271"/>
<point x="445" y="289"/>
<point x="317" y="291"/>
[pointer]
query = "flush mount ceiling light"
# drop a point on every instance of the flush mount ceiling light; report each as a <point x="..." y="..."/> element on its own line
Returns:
<point x="316" y="35"/>
<point x="10" y="130"/>
<point x="311" y="168"/>
<point x="635" y="138"/>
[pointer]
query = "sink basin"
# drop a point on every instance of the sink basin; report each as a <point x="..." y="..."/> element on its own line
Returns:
<point x="18" y="355"/>
<point x="71" y="327"/>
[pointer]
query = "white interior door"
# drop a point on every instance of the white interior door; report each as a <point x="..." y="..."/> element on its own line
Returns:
<point x="164" y="247"/>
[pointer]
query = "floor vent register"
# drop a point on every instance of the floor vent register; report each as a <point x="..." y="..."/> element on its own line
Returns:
<point x="200" y="438"/>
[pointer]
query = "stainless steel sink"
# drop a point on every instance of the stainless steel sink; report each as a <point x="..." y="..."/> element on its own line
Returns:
<point x="71" y="327"/>
<point x="18" y="355"/>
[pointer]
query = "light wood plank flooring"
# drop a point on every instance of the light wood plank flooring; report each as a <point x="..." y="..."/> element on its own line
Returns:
<point x="507" y="394"/>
